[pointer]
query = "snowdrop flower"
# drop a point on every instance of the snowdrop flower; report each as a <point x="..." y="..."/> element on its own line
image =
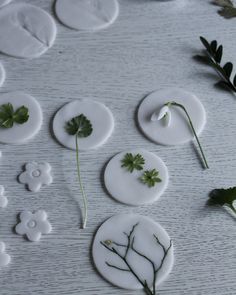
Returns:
<point x="36" y="175"/>
<point x="33" y="225"/>
<point x="163" y="113"/>
<point x="3" y="199"/>
<point x="4" y="257"/>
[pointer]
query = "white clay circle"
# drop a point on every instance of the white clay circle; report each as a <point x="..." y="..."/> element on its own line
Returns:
<point x="87" y="14"/>
<point x="20" y="133"/>
<point x="4" y="2"/>
<point x="179" y="131"/>
<point x="26" y="31"/>
<point x="97" y="113"/>
<point x="2" y="74"/>
<point x="126" y="187"/>
<point x="113" y="230"/>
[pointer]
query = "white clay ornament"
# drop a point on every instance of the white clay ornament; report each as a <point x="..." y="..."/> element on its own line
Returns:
<point x="89" y="15"/>
<point x="145" y="237"/>
<point x="33" y="225"/>
<point x="3" y="199"/>
<point x="5" y="259"/>
<point x="2" y="74"/>
<point x="174" y="129"/>
<point x="26" y="31"/>
<point x="99" y="115"/>
<point x="36" y="175"/>
<point x="21" y="133"/>
<point x="127" y="187"/>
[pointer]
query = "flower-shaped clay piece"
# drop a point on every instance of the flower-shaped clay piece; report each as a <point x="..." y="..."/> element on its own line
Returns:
<point x="4" y="257"/>
<point x="3" y="199"/>
<point x="33" y="225"/>
<point x="36" y="175"/>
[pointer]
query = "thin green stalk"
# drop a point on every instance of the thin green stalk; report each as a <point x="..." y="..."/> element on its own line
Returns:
<point x="85" y="202"/>
<point x="173" y="103"/>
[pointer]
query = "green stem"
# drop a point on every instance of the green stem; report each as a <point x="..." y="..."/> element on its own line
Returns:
<point x="173" y="103"/>
<point x="85" y="218"/>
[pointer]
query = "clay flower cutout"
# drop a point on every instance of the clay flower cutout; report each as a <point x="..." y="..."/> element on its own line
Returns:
<point x="3" y="199"/>
<point x="4" y="257"/>
<point x="163" y="113"/>
<point x="36" y="175"/>
<point x="33" y="225"/>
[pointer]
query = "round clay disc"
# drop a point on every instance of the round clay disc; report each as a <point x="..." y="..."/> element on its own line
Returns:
<point x="4" y="2"/>
<point x="26" y="31"/>
<point x="113" y="232"/>
<point x="127" y="187"/>
<point x="87" y="14"/>
<point x="2" y="74"/>
<point x="20" y="133"/>
<point x="97" y="113"/>
<point x="179" y="131"/>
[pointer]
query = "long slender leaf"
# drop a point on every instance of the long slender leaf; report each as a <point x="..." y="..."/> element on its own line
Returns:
<point x="219" y="54"/>
<point x="228" y="68"/>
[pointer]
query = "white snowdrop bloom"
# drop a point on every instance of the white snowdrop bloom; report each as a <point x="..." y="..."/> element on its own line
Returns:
<point x="36" y="175"/>
<point x="4" y="257"/>
<point x="163" y="113"/>
<point x="33" y="225"/>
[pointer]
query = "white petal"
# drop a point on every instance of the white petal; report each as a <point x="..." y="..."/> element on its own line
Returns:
<point x="21" y="228"/>
<point x="168" y="118"/>
<point x="160" y="114"/>
<point x="33" y="235"/>
<point x="25" y="216"/>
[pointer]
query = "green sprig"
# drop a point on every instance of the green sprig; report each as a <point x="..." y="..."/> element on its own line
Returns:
<point x="150" y="177"/>
<point x="80" y="127"/>
<point x="133" y="162"/>
<point x="8" y="117"/>
<point x="223" y="197"/>
<point x="214" y="58"/>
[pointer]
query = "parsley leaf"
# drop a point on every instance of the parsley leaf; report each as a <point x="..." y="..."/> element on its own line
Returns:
<point x="150" y="177"/>
<point x="133" y="162"/>
<point x="8" y="116"/>
<point x="79" y="125"/>
<point x="223" y="197"/>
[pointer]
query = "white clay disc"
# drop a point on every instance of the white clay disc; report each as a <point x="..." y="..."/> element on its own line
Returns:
<point x="87" y="14"/>
<point x="97" y="113"/>
<point x="4" y="2"/>
<point x="26" y="31"/>
<point x="127" y="188"/>
<point x="179" y="131"/>
<point x="20" y="133"/>
<point x="113" y="230"/>
<point x="2" y="74"/>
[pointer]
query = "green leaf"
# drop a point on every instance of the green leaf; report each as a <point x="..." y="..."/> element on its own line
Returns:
<point x="228" y="12"/>
<point x="228" y="67"/>
<point x="224" y="3"/>
<point x="223" y="197"/>
<point x="205" y="43"/>
<point x="235" y="80"/>
<point x="219" y="53"/>
<point x="133" y="162"/>
<point x="8" y="117"/>
<point x="213" y="45"/>
<point x="79" y="126"/>
<point x="150" y="177"/>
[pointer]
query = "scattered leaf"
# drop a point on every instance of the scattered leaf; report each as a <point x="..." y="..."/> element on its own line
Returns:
<point x="79" y="125"/>
<point x="223" y="197"/>
<point x="8" y="116"/>
<point x="150" y="177"/>
<point x="133" y="162"/>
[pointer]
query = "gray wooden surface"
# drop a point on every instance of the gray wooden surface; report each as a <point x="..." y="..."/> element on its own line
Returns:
<point x="149" y="47"/>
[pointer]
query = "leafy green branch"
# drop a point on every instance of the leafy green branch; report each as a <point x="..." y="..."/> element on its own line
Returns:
<point x="214" y="53"/>
<point x="80" y="127"/>
<point x="9" y="116"/>
<point x="228" y="10"/>
<point x="224" y="197"/>
<point x="130" y="246"/>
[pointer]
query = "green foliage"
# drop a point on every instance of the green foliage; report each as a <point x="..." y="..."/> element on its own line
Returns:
<point x="79" y="126"/>
<point x="228" y="10"/>
<point x="213" y="58"/>
<point x="150" y="177"/>
<point x="223" y="197"/>
<point x="8" y="116"/>
<point x="133" y="162"/>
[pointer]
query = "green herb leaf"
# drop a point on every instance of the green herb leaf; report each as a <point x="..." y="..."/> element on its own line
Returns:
<point x="8" y="117"/>
<point x="223" y="197"/>
<point x="133" y="162"/>
<point x="228" y="10"/>
<point x="215" y="55"/>
<point x="79" y="125"/>
<point x="224" y="3"/>
<point x="150" y="177"/>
